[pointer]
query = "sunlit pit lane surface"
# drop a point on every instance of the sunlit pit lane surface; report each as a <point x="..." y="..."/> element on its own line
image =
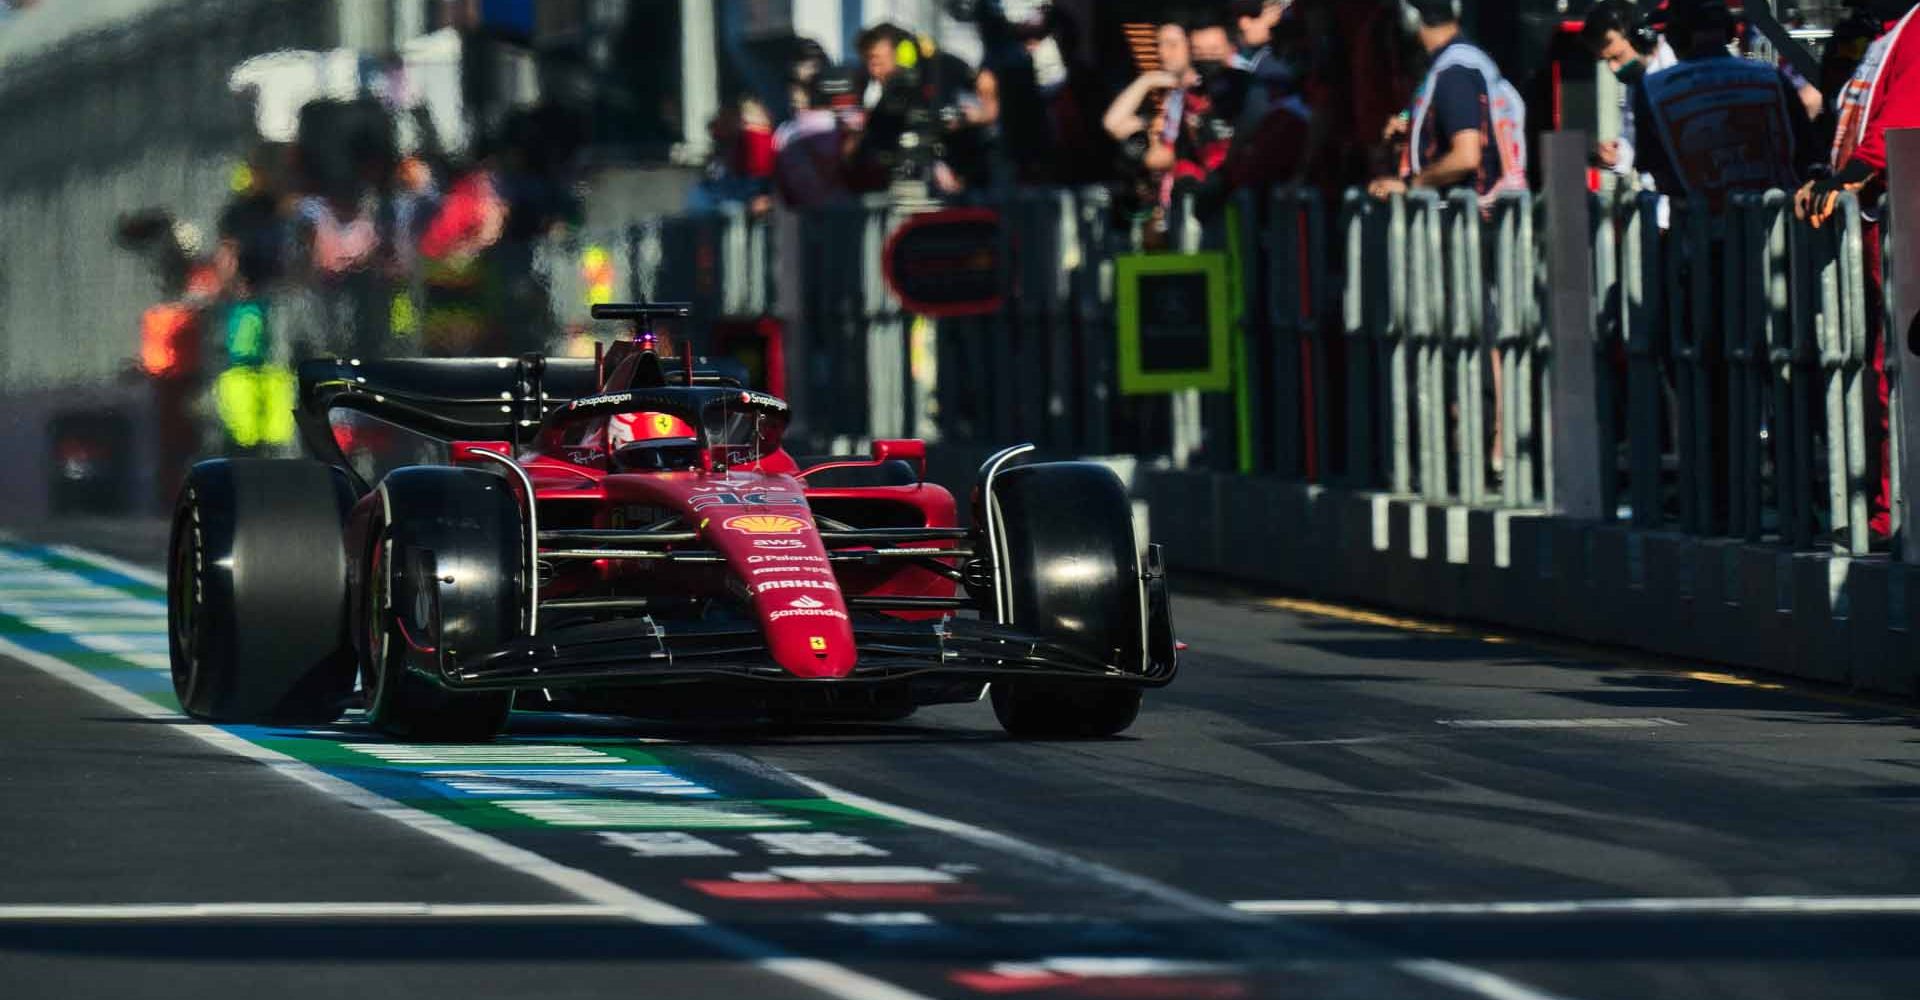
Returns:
<point x="830" y="893"/>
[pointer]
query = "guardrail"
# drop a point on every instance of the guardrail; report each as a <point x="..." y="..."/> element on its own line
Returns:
<point x="1745" y="347"/>
<point x="1396" y="345"/>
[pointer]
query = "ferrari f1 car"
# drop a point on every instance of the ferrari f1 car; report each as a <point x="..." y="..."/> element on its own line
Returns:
<point x="625" y="535"/>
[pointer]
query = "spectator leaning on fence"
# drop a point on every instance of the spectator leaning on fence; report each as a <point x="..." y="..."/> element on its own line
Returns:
<point x="1617" y="34"/>
<point x="1455" y="132"/>
<point x="1715" y="123"/>
<point x="1883" y="93"/>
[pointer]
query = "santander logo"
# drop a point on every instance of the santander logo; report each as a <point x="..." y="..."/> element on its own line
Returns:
<point x="803" y="601"/>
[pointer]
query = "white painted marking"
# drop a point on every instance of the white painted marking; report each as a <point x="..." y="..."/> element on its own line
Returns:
<point x="1782" y="905"/>
<point x="1603" y="722"/>
<point x="123" y="643"/>
<point x="110" y="603"/>
<point x="818" y="845"/>
<point x="487" y="753"/>
<point x="908" y="919"/>
<point x="549" y="782"/>
<point x="89" y="626"/>
<point x="827" y="977"/>
<point x="139" y="574"/>
<point x="614" y="814"/>
<point x="305" y="911"/>
<point x="1464" y="978"/>
<point x="11" y="591"/>
<point x="1113" y="966"/>
<point x="666" y="844"/>
<point x="151" y="661"/>
<point x="863" y="874"/>
<point x="1468" y="979"/>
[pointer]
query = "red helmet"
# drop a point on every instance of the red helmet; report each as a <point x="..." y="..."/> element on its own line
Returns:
<point x="626" y="428"/>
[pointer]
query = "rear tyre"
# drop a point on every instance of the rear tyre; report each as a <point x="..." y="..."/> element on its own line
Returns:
<point x="257" y="592"/>
<point x="1072" y="572"/>
<point x="446" y="557"/>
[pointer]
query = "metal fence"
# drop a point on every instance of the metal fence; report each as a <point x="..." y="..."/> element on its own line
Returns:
<point x="1398" y="345"/>
<point x="1742" y="391"/>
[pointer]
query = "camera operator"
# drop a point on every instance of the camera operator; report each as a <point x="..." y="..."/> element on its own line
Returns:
<point x="897" y="117"/>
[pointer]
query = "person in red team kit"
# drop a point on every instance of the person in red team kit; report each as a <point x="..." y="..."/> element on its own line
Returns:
<point x="1883" y="93"/>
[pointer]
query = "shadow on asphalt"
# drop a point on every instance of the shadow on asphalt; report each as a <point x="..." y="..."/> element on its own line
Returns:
<point x="1641" y="937"/>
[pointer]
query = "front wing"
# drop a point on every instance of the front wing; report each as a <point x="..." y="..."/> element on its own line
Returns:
<point x="640" y="651"/>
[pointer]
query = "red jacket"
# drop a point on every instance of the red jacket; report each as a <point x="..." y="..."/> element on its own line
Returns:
<point x="1894" y="98"/>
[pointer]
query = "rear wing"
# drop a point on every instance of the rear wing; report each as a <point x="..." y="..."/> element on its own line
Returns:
<point x="449" y="398"/>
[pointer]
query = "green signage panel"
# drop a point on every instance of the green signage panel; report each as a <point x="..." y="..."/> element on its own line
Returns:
<point x="1173" y="322"/>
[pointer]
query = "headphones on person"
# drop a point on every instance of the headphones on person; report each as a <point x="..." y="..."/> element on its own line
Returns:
<point x="1626" y="17"/>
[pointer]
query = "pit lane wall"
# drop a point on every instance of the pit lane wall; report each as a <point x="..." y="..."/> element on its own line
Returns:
<point x="1820" y="616"/>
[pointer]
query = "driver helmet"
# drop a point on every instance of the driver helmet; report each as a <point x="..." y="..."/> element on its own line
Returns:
<point x="644" y="426"/>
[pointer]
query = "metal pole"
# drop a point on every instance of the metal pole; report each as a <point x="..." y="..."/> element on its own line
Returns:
<point x="1577" y="464"/>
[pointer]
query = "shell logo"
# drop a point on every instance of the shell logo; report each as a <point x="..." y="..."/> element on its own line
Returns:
<point x="765" y="524"/>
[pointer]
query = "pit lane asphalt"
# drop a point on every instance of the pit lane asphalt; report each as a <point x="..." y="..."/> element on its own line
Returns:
<point x="1298" y="757"/>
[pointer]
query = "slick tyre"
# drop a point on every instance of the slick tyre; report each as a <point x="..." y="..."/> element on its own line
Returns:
<point x="443" y="575"/>
<point x="1072" y="574"/>
<point x="257" y="616"/>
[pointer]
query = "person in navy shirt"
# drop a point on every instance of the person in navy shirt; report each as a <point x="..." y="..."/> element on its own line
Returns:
<point x="1456" y="142"/>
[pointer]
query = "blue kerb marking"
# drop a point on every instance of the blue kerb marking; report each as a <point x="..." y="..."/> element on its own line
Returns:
<point x="87" y="571"/>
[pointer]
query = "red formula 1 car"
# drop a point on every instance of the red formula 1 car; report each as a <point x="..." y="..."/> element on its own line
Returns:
<point x="628" y="535"/>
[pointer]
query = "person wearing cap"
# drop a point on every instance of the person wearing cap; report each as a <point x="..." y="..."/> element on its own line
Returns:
<point x="1714" y="123"/>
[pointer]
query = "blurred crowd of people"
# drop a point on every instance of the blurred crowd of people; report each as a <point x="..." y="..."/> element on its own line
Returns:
<point x="340" y="242"/>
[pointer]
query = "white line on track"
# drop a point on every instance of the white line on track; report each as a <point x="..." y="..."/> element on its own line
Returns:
<point x="827" y="977"/>
<point x="303" y="911"/>
<point x="120" y="566"/>
<point x="1477" y="982"/>
<point x="1733" y="905"/>
<point x="1602" y="722"/>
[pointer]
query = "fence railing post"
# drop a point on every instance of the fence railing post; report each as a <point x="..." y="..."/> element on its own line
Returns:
<point x="1853" y="309"/>
<point x="1425" y="307"/>
<point x="1579" y="460"/>
<point x="1399" y="339"/>
<point x="1644" y="321"/>
<point x="1361" y="324"/>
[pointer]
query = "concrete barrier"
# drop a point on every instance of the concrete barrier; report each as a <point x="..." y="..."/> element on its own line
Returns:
<point x="1823" y="617"/>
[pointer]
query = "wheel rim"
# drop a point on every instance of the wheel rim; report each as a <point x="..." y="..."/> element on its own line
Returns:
<point x="379" y="637"/>
<point x="183" y="608"/>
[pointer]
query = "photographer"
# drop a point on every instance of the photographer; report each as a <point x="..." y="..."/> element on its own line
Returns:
<point x="890" y="146"/>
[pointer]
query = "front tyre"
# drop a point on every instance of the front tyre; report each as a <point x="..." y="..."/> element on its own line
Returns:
<point x="257" y="592"/>
<point x="1071" y="573"/>
<point x="445" y="560"/>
